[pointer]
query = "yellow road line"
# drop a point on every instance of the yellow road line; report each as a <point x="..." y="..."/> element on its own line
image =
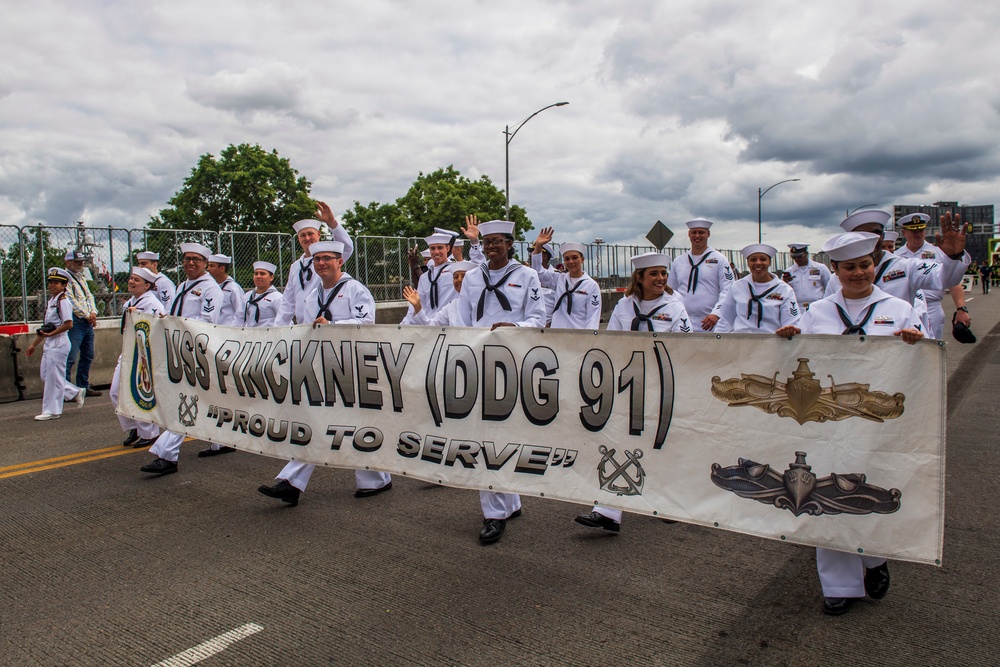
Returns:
<point x="68" y="460"/>
<point x="32" y="464"/>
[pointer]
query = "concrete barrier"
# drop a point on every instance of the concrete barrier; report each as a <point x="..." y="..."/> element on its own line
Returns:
<point x="8" y="371"/>
<point x="28" y="369"/>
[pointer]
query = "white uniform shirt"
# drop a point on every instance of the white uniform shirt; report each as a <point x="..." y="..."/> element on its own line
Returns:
<point x="232" y="303"/>
<point x="809" y="282"/>
<point x="519" y="286"/>
<point x="199" y="299"/>
<point x="353" y="303"/>
<point x="926" y="252"/>
<point x="436" y="288"/>
<point x="887" y="315"/>
<point x="667" y="313"/>
<point x="444" y="317"/>
<point x="576" y="301"/>
<point x="165" y="290"/>
<point x="701" y="282"/>
<point x="59" y="309"/>
<point x="775" y="306"/>
<point x="148" y="302"/>
<point x="902" y="277"/>
<point x="259" y="310"/>
<point x="302" y="279"/>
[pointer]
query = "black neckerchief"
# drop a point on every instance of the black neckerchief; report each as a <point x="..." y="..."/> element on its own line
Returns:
<point x="495" y="288"/>
<point x="434" y="285"/>
<point x="568" y="295"/>
<point x="324" y="306"/>
<point x="853" y="328"/>
<point x="255" y="303"/>
<point x="647" y="317"/>
<point x="178" y="305"/>
<point x="693" y="276"/>
<point x="305" y="269"/>
<point x="755" y="298"/>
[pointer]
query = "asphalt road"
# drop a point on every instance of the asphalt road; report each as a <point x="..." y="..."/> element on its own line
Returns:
<point x="100" y="565"/>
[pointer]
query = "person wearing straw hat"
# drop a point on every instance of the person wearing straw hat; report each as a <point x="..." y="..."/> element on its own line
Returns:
<point x="858" y="307"/>
<point x="914" y="228"/>
<point x="576" y="297"/>
<point x="200" y="298"/>
<point x="650" y="304"/>
<point x="81" y="336"/>
<point x="807" y="277"/>
<point x="165" y="288"/>
<point x="263" y="301"/>
<point x="701" y="276"/>
<point x="444" y="317"/>
<point x="301" y="277"/>
<point x="142" y="286"/>
<point x="232" y="302"/>
<point x="58" y="320"/>
<point x="501" y="293"/>
<point x="759" y="302"/>
<point x="338" y="299"/>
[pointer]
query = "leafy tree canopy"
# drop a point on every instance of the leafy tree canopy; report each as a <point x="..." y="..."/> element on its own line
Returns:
<point x="440" y="199"/>
<point x="245" y="189"/>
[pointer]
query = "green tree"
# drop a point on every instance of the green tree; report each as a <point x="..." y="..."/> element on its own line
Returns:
<point x="245" y="189"/>
<point x="440" y="199"/>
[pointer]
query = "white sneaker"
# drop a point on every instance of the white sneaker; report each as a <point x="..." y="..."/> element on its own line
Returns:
<point x="80" y="398"/>
<point x="45" y="416"/>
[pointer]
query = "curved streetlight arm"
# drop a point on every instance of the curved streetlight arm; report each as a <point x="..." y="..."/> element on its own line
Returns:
<point x="776" y="185"/>
<point x="510" y="135"/>
<point x="760" y="196"/>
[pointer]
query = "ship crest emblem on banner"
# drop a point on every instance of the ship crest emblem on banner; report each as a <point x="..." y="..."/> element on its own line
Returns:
<point x="803" y="399"/>
<point x="141" y="375"/>
<point x="622" y="479"/>
<point x="187" y="411"/>
<point x="799" y="491"/>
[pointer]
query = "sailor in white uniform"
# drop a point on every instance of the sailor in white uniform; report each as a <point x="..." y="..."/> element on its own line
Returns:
<point x="806" y="276"/>
<point x="857" y="308"/>
<point x="650" y="304"/>
<point x="338" y="299"/>
<point x="759" y="302"/>
<point x="301" y="277"/>
<point x="165" y="288"/>
<point x="701" y="276"/>
<point x="263" y="301"/>
<point x="200" y="298"/>
<point x="501" y="293"/>
<point x="444" y="317"/>
<point x="58" y="320"/>
<point x="576" y="297"/>
<point x="435" y="286"/>
<point x="232" y="302"/>
<point x="145" y="299"/>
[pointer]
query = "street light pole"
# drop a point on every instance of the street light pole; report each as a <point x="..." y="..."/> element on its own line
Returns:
<point x="510" y="137"/>
<point x="760" y="195"/>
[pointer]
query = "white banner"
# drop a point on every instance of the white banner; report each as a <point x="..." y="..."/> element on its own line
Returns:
<point x="823" y="440"/>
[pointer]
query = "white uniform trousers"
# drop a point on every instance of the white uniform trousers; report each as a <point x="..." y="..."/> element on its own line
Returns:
<point x="56" y="387"/>
<point x="167" y="446"/>
<point x="297" y="474"/>
<point x="842" y="574"/>
<point x="614" y="515"/>
<point x="935" y="320"/>
<point x="145" y="431"/>
<point x="499" y="505"/>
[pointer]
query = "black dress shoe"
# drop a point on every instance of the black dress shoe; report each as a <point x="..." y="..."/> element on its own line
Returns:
<point x="93" y="392"/>
<point x="143" y="442"/>
<point x="368" y="493"/>
<point x="595" y="520"/>
<point x="160" y="467"/>
<point x="514" y="514"/>
<point x="492" y="530"/>
<point x="837" y="606"/>
<point x="283" y="491"/>
<point x="877" y="581"/>
<point x="215" y="452"/>
<point x="133" y="435"/>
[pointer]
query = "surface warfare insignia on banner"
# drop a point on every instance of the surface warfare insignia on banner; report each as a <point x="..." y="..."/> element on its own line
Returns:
<point x="187" y="411"/>
<point x="631" y="483"/>
<point x="803" y="398"/>
<point x="800" y="492"/>
<point x="141" y="376"/>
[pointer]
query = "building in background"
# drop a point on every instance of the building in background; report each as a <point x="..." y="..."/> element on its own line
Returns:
<point x="981" y="218"/>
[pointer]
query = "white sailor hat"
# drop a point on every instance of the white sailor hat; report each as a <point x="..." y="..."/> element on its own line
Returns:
<point x="145" y="274"/>
<point x="798" y="248"/>
<point x="547" y="247"/>
<point x="850" y="245"/>
<point x="699" y="223"/>
<point x="438" y="239"/>
<point x="146" y="254"/>
<point x="426" y="254"/>
<point x="308" y="223"/>
<point x="221" y="259"/>
<point x="650" y="259"/>
<point x="74" y="256"/>
<point x="463" y="266"/>
<point x="335" y="247"/>
<point x="266" y="266"/>
<point x="572" y="247"/>
<point x="890" y="236"/>
<point x="196" y="248"/>
<point x="458" y="243"/>
<point x="447" y="232"/>
<point x="497" y="227"/>
<point x="55" y="273"/>
<point x="914" y="221"/>
<point x="868" y="215"/>
<point x="770" y="251"/>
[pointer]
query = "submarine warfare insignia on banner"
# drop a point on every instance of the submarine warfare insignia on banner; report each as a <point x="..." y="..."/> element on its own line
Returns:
<point x="800" y="492"/>
<point x="803" y="398"/>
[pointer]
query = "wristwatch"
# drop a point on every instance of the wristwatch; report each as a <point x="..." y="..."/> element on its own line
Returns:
<point x="963" y="309"/>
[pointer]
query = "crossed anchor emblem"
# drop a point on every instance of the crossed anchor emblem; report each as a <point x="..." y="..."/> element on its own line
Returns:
<point x="632" y="485"/>
<point x="187" y="411"/>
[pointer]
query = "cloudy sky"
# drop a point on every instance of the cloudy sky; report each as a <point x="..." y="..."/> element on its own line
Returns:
<point x="677" y="109"/>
